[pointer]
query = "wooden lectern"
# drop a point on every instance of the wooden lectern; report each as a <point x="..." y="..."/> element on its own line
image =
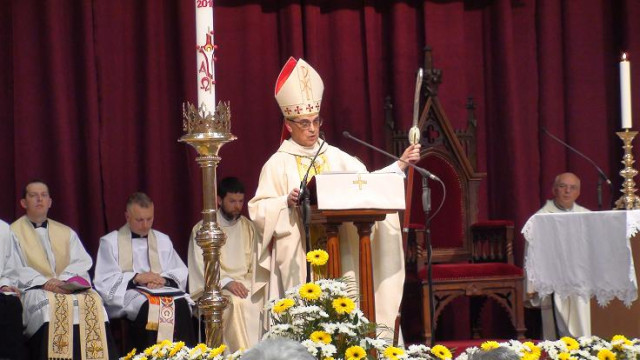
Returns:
<point x="357" y="198"/>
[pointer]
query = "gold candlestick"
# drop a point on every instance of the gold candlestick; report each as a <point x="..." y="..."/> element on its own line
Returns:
<point x="629" y="200"/>
<point x="207" y="133"/>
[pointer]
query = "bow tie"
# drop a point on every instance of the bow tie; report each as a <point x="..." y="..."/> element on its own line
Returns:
<point x="137" y="236"/>
<point x="43" y="225"/>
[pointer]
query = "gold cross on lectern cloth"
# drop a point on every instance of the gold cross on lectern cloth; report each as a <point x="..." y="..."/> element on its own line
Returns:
<point x="359" y="182"/>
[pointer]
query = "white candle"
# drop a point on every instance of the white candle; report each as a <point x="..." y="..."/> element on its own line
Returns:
<point x="625" y="91"/>
<point x="205" y="55"/>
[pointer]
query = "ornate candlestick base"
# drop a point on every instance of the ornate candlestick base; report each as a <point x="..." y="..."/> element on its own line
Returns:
<point x="207" y="133"/>
<point x="629" y="200"/>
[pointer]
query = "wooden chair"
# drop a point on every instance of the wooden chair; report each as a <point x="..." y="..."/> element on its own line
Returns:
<point x="470" y="257"/>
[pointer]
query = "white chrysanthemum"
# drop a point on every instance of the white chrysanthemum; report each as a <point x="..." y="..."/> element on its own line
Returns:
<point x="311" y="347"/>
<point x="418" y="349"/>
<point x="378" y="344"/>
<point x="327" y="350"/>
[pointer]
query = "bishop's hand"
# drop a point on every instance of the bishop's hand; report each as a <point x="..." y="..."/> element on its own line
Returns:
<point x="411" y="155"/>
<point x="292" y="198"/>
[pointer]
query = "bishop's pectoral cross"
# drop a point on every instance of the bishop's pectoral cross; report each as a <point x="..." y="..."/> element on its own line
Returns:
<point x="359" y="182"/>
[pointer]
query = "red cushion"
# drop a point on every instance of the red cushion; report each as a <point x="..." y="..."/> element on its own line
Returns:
<point x="470" y="271"/>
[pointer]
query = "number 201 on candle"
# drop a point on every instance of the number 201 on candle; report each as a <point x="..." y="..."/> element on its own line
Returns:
<point x="204" y="3"/>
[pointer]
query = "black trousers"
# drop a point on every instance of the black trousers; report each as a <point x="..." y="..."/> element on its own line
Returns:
<point x="39" y="343"/>
<point x="11" y="338"/>
<point x="141" y="338"/>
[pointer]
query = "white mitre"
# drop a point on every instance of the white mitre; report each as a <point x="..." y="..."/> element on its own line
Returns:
<point x="298" y="89"/>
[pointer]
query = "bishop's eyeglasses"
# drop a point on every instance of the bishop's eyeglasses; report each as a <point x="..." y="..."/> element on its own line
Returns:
<point x="305" y="123"/>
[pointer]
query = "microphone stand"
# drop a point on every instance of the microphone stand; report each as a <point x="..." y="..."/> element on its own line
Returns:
<point x="601" y="175"/>
<point x="305" y="201"/>
<point x="426" y="206"/>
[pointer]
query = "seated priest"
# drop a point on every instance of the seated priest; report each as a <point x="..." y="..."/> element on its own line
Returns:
<point x="282" y="248"/>
<point x="570" y="316"/>
<point x="141" y="277"/>
<point x="63" y="317"/>
<point x="11" y="340"/>
<point x="242" y="318"/>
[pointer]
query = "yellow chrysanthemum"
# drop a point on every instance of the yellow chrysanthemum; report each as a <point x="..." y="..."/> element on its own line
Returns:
<point x="606" y="354"/>
<point x="489" y="345"/>
<point x="150" y="350"/>
<point x="619" y="340"/>
<point x="176" y="347"/>
<point x="329" y="358"/>
<point x="533" y="348"/>
<point x="441" y="352"/>
<point x="343" y="305"/>
<point x="530" y="356"/>
<point x="355" y="353"/>
<point x="565" y="356"/>
<point x="392" y="353"/>
<point x="217" y="351"/>
<point x="320" y="337"/>
<point x="282" y="305"/>
<point x="131" y="354"/>
<point x="571" y="343"/>
<point x="310" y="291"/>
<point x="198" y="349"/>
<point x="317" y="257"/>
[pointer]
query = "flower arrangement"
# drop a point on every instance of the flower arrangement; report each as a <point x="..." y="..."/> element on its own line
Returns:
<point x="567" y="348"/>
<point x="322" y="316"/>
<point x="167" y="350"/>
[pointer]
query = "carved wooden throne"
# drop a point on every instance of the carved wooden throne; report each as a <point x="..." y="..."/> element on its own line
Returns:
<point x="470" y="257"/>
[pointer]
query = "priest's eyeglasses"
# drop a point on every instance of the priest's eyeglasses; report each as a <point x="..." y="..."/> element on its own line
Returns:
<point x="563" y="186"/>
<point x="305" y="124"/>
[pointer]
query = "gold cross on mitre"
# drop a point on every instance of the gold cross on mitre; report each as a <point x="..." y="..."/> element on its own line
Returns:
<point x="360" y="182"/>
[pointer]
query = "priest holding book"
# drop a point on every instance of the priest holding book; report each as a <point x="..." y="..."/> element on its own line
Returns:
<point x="53" y="273"/>
<point x="141" y="277"/>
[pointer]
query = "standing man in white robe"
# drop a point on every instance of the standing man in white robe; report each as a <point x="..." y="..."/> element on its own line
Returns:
<point x="11" y="340"/>
<point x="53" y="267"/>
<point x="242" y="318"/>
<point x="282" y="248"/>
<point x="141" y="277"/>
<point x="570" y="316"/>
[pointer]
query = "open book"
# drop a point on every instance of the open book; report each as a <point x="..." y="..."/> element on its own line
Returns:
<point x="76" y="283"/>
<point x="163" y="291"/>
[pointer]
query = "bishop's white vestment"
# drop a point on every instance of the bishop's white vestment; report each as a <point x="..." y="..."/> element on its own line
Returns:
<point x="572" y="314"/>
<point x="242" y="318"/>
<point x="282" y="249"/>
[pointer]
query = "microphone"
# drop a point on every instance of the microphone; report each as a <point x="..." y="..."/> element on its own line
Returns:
<point x="422" y="171"/>
<point x="604" y="177"/>
<point x="303" y="183"/>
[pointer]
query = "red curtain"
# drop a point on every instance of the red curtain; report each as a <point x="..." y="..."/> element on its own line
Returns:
<point x="91" y="94"/>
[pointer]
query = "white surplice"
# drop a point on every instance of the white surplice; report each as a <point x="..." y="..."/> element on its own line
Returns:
<point x="34" y="301"/>
<point x="7" y="254"/>
<point x="281" y="250"/>
<point x="242" y="318"/>
<point x="111" y="282"/>
<point x="572" y="313"/>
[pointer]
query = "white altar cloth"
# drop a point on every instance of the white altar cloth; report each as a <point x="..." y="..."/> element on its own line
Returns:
<point x="585" y="254"/>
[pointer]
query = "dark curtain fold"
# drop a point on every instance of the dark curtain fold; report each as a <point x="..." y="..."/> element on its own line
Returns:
<point x="91" y="94"/>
